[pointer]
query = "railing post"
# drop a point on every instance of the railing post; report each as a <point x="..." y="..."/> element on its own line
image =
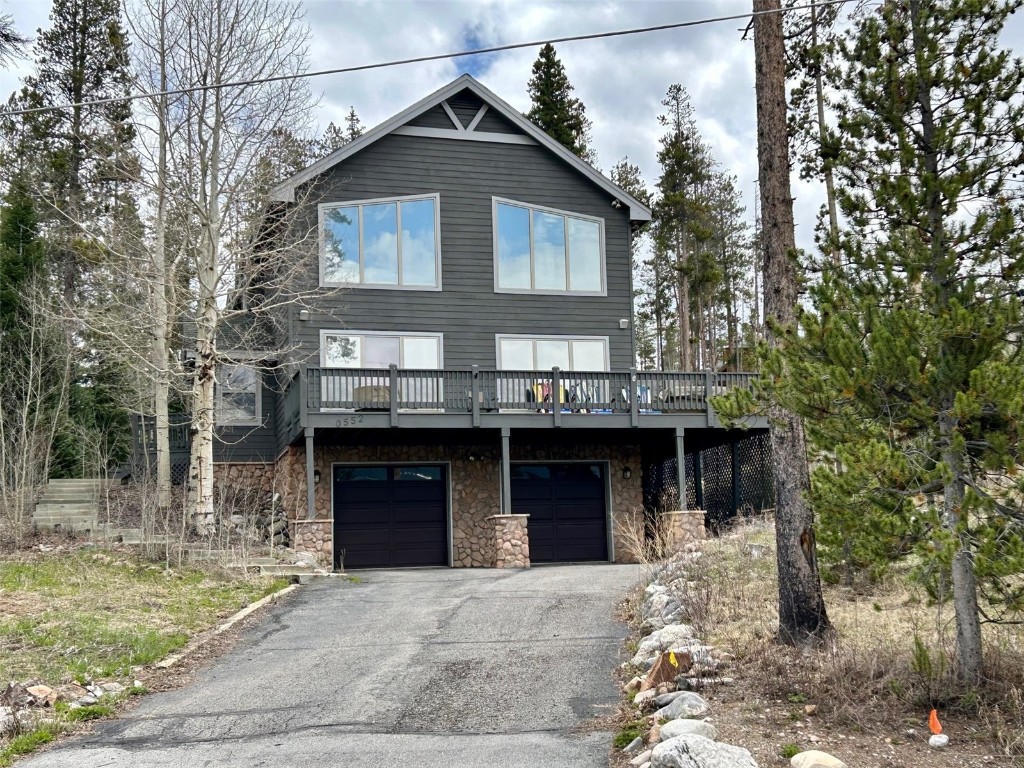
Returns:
<point x="474" y="393"/>
<point x="303" y="396"/>
<point x="556" y="395"/>
<point x="393" y="393"/>
<point x="634" y="400"/>
<point x="709" y="392"/>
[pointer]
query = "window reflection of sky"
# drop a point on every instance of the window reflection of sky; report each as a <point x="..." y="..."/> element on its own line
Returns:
<point x="548" y="251"/>
<point x="513" y="247"/>
<point x="383" y="262"/>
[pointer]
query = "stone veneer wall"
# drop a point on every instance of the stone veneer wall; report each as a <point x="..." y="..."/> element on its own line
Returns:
<point x="475" y="486"/>
<point x="261" y="476"/>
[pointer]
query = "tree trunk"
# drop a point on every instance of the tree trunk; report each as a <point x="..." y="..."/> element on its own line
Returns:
<point x="802" y="615"/>
<point x="826" y="165"/>
<point x="942" y="273"/>
<point x="159" y="291"/>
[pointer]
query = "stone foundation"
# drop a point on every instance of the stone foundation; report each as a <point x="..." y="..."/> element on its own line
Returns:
<point x="683" y="527"/>
<point x="511" y="541"/>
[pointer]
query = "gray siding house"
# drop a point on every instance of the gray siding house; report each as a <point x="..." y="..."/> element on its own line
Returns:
<point x="466" y="393"/>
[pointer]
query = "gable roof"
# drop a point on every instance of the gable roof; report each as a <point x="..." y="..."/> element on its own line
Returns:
<point x="286" y="190"/>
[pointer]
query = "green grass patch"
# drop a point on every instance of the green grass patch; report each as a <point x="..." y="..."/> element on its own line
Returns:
<point x="26" y="743"/>
<point x="76" y="616"/>
<point x="629" y="732"/>
<point x="789" y="750"/>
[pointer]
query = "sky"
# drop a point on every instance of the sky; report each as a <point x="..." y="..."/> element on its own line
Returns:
<point x="620" y="80"/>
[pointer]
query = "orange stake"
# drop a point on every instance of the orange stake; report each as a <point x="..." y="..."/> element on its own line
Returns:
<point x="933" y="722"/>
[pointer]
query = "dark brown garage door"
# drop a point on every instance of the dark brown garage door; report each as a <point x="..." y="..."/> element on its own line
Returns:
<point x="566" y="505"/>
<point x="390" y="516"/>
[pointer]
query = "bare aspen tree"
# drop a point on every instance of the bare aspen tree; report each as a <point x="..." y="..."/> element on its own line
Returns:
<point x="214" y="139"/>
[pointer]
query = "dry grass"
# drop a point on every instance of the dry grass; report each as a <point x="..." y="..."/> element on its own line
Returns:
<point x="891" y="660"/>
<point x="83" y="613"/>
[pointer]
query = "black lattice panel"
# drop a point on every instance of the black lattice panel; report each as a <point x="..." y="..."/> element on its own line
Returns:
<point x="757" y="491"/>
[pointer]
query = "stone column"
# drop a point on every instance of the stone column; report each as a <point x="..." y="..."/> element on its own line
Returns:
<point x="314" y="537"/>
<point x="511" y="541"/>
<point x="683" y="527"/>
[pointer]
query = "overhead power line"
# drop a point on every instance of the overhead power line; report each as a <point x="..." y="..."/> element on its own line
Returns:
<point x="417" y="59"/>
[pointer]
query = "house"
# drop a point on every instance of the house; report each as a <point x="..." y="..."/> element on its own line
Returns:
<point x="474" y="385"/>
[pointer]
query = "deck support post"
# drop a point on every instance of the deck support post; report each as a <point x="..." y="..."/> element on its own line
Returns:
<point x="735" y="476"/>
<point x="698" y="479"/>
<point x="310" y="474"/>
<point x="681" y="466"/>
<point x="506" y="473"/>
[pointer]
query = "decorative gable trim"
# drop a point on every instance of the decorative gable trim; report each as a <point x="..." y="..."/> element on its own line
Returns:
<point x="285" y="192"/>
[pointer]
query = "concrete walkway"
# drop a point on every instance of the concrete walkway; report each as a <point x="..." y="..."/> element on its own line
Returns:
<point x="428" y="668"/>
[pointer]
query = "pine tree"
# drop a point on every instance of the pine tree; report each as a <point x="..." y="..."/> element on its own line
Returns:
<point x="79" y="160"/>
<point x="681" y="216"/>
<point x="910" y="366"/>
<point x="353" y="125"/>
<point x="21" y="255"/>
<point x="554" y="109"/>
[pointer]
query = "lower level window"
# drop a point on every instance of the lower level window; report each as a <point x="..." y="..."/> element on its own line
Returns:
<point x="354" y="349"/>
<point x="237" y="401"/>
<point x="542" y="353"/>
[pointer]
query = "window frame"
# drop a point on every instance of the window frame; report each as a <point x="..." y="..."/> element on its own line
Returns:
<point x="325" y="332"/>
<point x="566" y="215"/>
<point x="218" y="397"/>
<point x="322" y="208"/>
<point x="498" y="337"/>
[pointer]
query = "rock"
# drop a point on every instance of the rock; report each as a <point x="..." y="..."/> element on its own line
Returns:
<point x="938" y="740"/>
<point x="664" y="699"/>
<point x="664" y="671"/>
<point x="644" y="697"/>
<point x="674" y="728"/>
<point x="654" y="735"/>
<point x="632" y="688"/>
<point x="756" y="551"/>
<point x="662" y="640"/>
<point x="9" y="722"/>
<point x="815" y="759"/>
<point x="688" y="705"/>
<point x="87" y="701"/>
<point x="699" y="752"/>
<point x="112" y="687"/>
<point x="39" y="692"/>
<point x="634" y="745"/>
<point x="642" y="758"/>
<point x="811" y="709"/>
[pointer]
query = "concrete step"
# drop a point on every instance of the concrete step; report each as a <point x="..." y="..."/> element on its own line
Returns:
<point x="65" y="525"/>
<point x="66" y="506"/>
<point x="79" y="520"/>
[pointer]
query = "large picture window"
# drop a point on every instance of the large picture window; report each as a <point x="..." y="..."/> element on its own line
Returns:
<point x="354" y="349"/>
<point x="237" y="401"/>
<point x="381" y="243"/>
<point x="542" y="353"/>
<point x="541" y="250"/>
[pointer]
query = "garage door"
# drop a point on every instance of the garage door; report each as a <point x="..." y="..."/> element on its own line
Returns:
<point x="390" y="516"/>
<point x="566" y="505"/>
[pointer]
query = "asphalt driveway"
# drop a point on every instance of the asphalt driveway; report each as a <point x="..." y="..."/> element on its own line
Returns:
<point x="450" y="668"/>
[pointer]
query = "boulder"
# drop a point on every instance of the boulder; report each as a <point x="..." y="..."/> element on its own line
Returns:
<point x="688" y="705"/>
<point x="699" y="752"/>
<point x="634" y="745"/>
<point x="674" y="728"/>
<point x="642" y="758"/>
<point x="664" y="699"/>
<point x="662" y="640"/>
<point x="644" y="697"/>
<point x="815" y="759"/>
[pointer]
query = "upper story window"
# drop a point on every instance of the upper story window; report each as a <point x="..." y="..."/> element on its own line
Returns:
<point x="237" y="396"/>
<point x="381" y="243"/>
<point x="542" y="250"/>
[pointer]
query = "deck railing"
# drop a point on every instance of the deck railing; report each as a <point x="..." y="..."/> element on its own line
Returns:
<point x="474" y="390"/>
